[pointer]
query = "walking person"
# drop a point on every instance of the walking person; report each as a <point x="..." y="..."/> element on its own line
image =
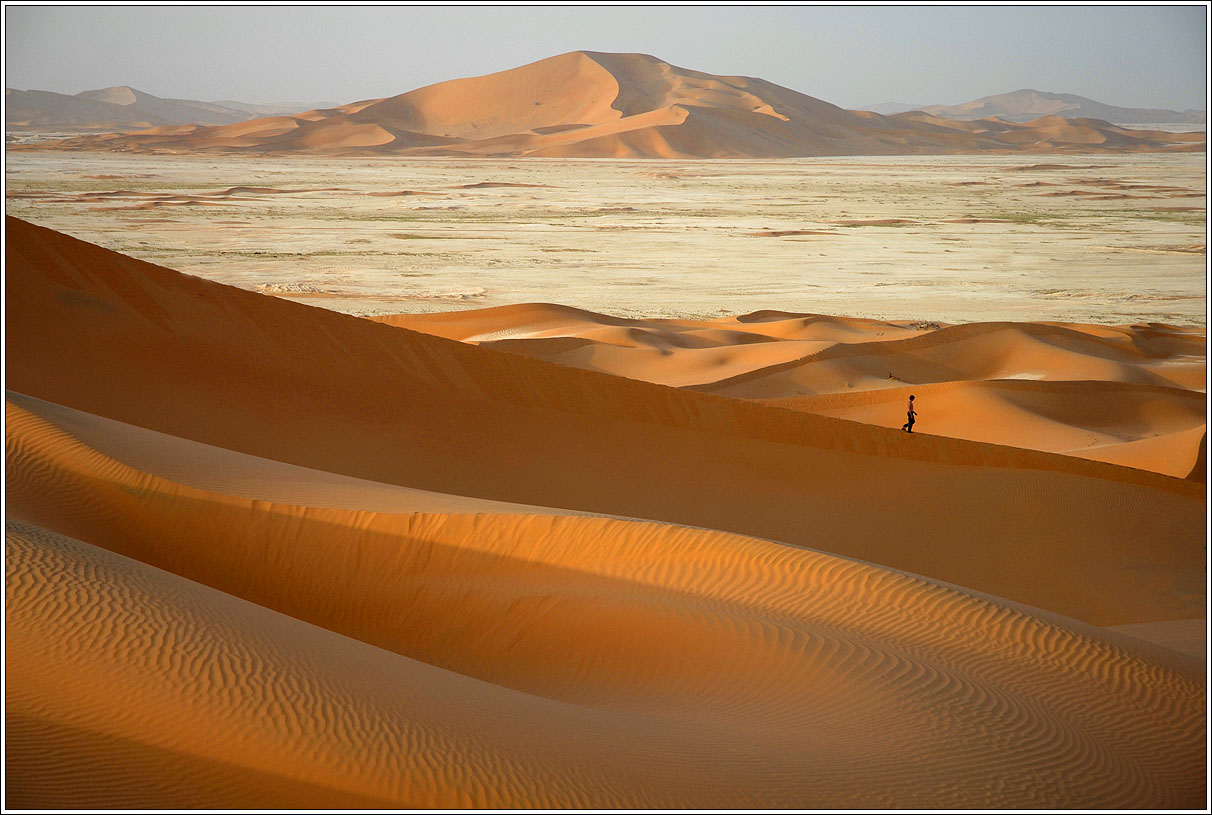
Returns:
<point x="908" y="426"/>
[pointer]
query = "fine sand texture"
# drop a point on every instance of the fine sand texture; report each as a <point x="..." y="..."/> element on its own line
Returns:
<point x="590" y="104"/>
<point x="261" y="555"/>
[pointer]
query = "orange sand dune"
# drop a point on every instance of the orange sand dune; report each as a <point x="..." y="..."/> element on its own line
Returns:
<point x="1143" y="426"/>
<point x="586" y="662"/>
<point x="1121" y="394"/>
<point x="984" y="351"/>
<point x="603" y="105"/>
<point x="671" y="352"/>
<point x="407" y="571"/>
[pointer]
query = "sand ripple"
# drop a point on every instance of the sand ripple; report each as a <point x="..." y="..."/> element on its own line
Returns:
<point x="817" y="681"/>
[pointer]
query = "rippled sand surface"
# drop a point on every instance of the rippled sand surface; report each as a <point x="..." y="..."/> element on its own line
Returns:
<point x="1103" y="239"/>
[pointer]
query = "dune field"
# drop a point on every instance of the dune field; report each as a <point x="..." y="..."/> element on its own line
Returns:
<point x="1130" y="395"/>
<point x="263" y="554"/>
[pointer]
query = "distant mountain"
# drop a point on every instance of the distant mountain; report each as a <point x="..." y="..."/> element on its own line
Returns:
<point x="1025" y="105"/>
<point x="122" y="108"/>
<point x="591" y="104"/>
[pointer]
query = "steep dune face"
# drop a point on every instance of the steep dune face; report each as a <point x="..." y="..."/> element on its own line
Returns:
<point x="565" y="90"/>
<point x="593" y="104"/>
<point x="383" y="558"/>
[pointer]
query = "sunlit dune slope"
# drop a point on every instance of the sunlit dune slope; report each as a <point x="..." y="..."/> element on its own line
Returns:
<point x="1143" y="426"/>
<point x="124" y="339"/>
<point x="504" y="660"/>
<point x="605" y="105"/>
<point x="667" y="351"/>
<point x="1129" y="395"/>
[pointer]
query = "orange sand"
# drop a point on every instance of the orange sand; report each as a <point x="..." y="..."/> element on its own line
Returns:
<point x="266" y="555"/>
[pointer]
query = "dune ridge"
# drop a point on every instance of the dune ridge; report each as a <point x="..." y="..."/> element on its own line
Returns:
<point x="262" y="554"/>
<point x="602" y="105"/>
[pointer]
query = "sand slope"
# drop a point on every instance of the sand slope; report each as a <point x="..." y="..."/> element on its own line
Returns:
<point x="605" y="105"/>
<point x="1129" y="395"/>
<point x="266" y="555"/>
<point x="586" y="662"/>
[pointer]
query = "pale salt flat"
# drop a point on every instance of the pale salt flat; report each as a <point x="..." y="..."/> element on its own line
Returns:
<point x="1103" y="239"/>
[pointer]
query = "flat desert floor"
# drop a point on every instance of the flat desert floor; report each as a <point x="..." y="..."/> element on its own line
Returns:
<point x="1088" y="239"/>
<point x="656" y="541"/>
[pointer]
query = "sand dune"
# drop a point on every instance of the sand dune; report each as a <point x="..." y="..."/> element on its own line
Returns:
<point x="1147" y="427"/>
<point x="117" y="108"/>
<point x="603" y="105"/>
<point x="409" y="571"/>
<point x="1026" y="104"/>
<point x="647" y="676"/>
<point x="1129" y="395"/>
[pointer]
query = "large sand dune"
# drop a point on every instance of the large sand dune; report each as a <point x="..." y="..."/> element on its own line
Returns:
<point x="261" y="554"/>
<point x="603" y="105"/>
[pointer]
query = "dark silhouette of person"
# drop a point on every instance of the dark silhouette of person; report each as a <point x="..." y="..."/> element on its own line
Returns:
<point x="908" y="426"/>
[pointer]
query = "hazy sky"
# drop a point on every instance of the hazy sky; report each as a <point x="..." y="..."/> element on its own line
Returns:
<point x="1134" y="56"/>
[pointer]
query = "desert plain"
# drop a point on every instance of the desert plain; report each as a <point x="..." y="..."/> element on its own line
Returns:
<point x="431" y="481"/>
<point x="1097" y="238"/>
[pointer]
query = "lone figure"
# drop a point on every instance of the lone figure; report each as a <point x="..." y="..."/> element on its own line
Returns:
<point x="908" y="426"/>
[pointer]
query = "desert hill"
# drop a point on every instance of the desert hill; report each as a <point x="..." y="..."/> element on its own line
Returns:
<point x="44" y="110"/>
<point x="1027" y="104"/>
<point x="591" y="104"/>
<point x="120" y="108"/>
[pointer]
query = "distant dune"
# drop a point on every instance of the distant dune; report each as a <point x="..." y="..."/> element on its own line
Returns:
<point x="1026" y="105"/>
<point x="120" y="108"/>
<point x="264" y="555"/>
<point x="590" y="104"/>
